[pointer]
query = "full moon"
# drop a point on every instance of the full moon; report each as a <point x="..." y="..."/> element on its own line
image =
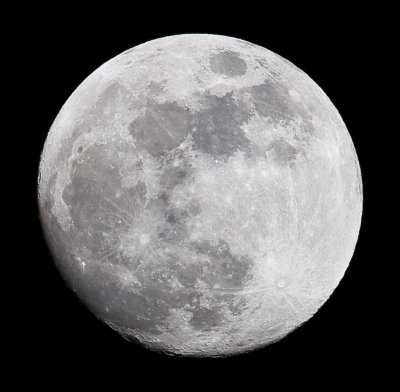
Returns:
<point x="201" y="195"/>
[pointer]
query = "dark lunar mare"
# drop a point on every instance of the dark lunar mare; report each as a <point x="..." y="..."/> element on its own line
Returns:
<point x="100" y="218"/>
<point x="228" y="63"/>
<point x="216" y="129"/>
<point x="162" y="128"/>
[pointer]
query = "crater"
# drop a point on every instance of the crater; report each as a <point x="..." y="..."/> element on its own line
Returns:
<point x="228" y="63"/>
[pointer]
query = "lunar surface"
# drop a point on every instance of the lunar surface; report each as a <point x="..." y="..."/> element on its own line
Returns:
<point x="201" y="195"/>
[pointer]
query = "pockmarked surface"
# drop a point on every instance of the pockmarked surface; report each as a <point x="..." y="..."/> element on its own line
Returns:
<point x="201" y="195"/>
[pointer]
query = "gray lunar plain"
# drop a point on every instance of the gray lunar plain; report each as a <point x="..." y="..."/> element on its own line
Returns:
<point x="201" y="195"/>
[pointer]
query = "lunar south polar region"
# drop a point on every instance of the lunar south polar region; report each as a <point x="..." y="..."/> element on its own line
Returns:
<point x="201" y="195"/>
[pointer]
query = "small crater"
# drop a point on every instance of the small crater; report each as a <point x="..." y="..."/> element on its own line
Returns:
<point x="281" y="283"/>
<point x="80" y="149"/>
<point x="228" y="63"/>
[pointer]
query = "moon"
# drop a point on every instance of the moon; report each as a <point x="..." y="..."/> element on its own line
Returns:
<point x="201" y="195"/>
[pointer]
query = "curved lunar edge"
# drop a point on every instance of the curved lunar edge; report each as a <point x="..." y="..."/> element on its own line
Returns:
<point x="201" y="195"/>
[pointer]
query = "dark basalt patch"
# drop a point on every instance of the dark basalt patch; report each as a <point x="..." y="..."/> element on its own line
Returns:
<point x="142" y="310"/>
<point x="205" y="319"/>
<point x="173" y="175"/>
<point x="225" y="269"/>
<point x="237" y="306"/>
<point x="99" y="215"/>
<point x="98" y="205"/>
<point x="162" y="128"/>
<point x="228" y="63"/>
<point x="272" y="100"/>
<point x="155" y="88"/>
<point x="105" y="107"/>
<point x="216" y="130"/>
<point x="282" y="151"/>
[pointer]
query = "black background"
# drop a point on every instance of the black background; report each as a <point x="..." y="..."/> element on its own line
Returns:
<point x="59" y="339"/>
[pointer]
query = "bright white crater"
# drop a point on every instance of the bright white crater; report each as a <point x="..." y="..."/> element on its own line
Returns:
<point x="201" y="195"/>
